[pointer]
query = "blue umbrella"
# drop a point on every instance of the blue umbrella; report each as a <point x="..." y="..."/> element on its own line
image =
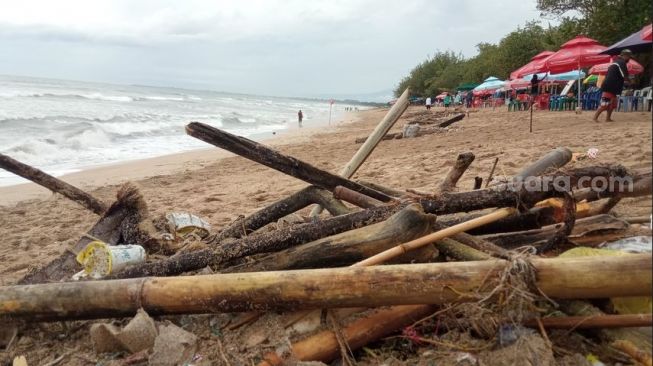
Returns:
<point x="490" y="84"/>
<point x="565" y="76"/>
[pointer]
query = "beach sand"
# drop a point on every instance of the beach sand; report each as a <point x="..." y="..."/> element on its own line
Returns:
<point x="36" y="226"/>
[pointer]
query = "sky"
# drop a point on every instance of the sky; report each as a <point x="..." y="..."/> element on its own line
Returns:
<point x="273" y="47"/>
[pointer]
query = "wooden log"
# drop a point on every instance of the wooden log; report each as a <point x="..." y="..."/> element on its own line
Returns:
<point x="478" y="183"/>
<point x="508" y="195"/>
<point x="534" y="218"/>
<point x="405" y="284"/>
<point x="595" y="321"/>
<point x="481" y="245"/>
<point x="557" y="158"/>
<point x="53" y="184"/>
<point x="640" y="356"/>
<point x="583" y="228"/>
<point x="108" y="228"/>
<point x="463" y="162"/>
<point x="295" y="202"/>
<point x="355" y="198"/>
<point x="370" y="143"/>
<point x="451" y="120"/>
<point x="324" y="346"/>
<point x="439" y="235"/>
<point x="263" y="155"/>
<point x="459" y="251"/>
<point x="348" y="247"/>
<point x="259" y="243"/>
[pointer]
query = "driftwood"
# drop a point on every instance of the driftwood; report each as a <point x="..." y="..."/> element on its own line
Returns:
<point x="534" y="218"/>
<point x="478" y="183"/>
<point x="459" y="251"/>
<point x="585" y="232"/>
<point x="463" y="162"/>
<point x="438" y="235"/>
<point x="355" y="198"/>
<point x="348" y="247"/>
<point x="295" y="202"/>
<point x="259" y="243"/>
<point x="263" y="155"/>
<point x="54" y="184"/>
<point x="555" y="159"/>
<point x="398" y="108"/>
<point x="404" y="284"/>
<point x="116" y="222"/>
<point x="439" y="125"/>
<point x="324" y="346"/>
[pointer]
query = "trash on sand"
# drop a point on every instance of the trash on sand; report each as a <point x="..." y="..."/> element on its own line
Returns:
<point x="139" y="334"/>
<point x="100" y="260"/>
<point x="184" y="223"/>
<point x="173" y="346"/>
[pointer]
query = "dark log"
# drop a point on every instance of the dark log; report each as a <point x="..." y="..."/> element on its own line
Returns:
<point x="534" y="218"/>
<point x="355" y="198"/>
<point x="109" y="228"/>
<point x="54" y="184"/>
<point x="463" y="162"/>
<point x="451" y="120"/>
<point x="641" y="186"/>
<point x="263" y="155"/>
<point x="585" y="227"/>
<point x="454" y="249"/>
<point x="260" y="243"/>
<point x="295" y="202"/>
<point x="555" y="159"/>
<point x="508" y="195"/>
<point x="348" y="247"/>
<point x="404" y="284"/>
<point x="481" y="245"/>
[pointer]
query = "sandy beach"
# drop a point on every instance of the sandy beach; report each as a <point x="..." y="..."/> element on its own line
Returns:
<point x="37" y="226"/>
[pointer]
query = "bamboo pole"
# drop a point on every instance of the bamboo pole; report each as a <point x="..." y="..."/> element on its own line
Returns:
<point x="368" y="146"/>
<point x="324" y="346"/>
<point x="438" y="235"/>
<point x="271" y="158"/>
<point x="53" y="184"/>
<point x="410" y="284"/>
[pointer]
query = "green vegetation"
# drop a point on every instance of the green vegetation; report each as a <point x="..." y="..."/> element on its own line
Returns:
<point x="607" y="21"/>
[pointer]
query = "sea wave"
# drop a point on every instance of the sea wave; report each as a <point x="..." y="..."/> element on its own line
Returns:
<point x="99" y="96"/>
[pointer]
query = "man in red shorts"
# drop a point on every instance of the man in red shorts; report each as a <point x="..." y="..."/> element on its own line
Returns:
<point x="613" y="85"/>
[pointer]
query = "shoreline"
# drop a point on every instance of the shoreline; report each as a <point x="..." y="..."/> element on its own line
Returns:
<point x="97" y="176"/>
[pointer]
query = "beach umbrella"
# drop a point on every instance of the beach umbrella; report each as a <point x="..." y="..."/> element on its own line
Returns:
<point x="490" y="83"/>
<point x="535" y="65"/>
<point x="633" y="67"/>
<point x="639" y="42"/>
<point x="564" y="76"/>
<point x="518" y="84"/>
<point x="576" y="54"/>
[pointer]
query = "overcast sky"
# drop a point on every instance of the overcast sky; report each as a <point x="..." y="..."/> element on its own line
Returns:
<point x="274" y="47"/>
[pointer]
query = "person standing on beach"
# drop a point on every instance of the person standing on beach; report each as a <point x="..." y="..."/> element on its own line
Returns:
<point x="428" y="103"/>
<point x="300" y="117"/>
<point x="447" y="101"/>
<point x="613" y="85"/>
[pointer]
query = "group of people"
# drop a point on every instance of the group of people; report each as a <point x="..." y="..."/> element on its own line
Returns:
<point x="452" y="100"/>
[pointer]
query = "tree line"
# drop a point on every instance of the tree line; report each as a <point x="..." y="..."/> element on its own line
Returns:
<point x="607" y="21"/>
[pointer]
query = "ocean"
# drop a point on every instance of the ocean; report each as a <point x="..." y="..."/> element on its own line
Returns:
<point x="64" y="126"/>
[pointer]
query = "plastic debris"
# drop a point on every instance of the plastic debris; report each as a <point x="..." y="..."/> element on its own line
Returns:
<point x="635" y="244"/>
<point x="100" y="259"/>
<point x="139" y="334"/>
<point x="184" y="223"/>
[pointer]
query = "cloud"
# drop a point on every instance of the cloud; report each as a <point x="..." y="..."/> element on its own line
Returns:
<point x="287" y="47"/>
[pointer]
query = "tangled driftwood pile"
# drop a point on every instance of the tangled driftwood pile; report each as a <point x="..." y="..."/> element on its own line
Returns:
<point x="458" y="271"/>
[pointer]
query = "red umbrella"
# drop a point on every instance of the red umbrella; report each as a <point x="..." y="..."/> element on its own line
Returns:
<point x="646" y="33"/>
<point x="577" y="53"/>
<point x="533" y="67"/>
<point x="518" y="84"/>
<point x="633" y="66"/>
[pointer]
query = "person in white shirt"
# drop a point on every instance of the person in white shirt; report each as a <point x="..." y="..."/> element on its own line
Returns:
<point x="428" y="103"/>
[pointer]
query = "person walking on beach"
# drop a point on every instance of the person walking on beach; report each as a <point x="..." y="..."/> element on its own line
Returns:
<point x="428" y="103"/>
<point x="613" y="85"/>
<point x="447" y="101"/>
<point x="300" y="117"/>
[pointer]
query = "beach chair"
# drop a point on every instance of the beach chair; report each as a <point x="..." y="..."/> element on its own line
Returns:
<point x="636" y="101"/>
<point x="647" y="93"/>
